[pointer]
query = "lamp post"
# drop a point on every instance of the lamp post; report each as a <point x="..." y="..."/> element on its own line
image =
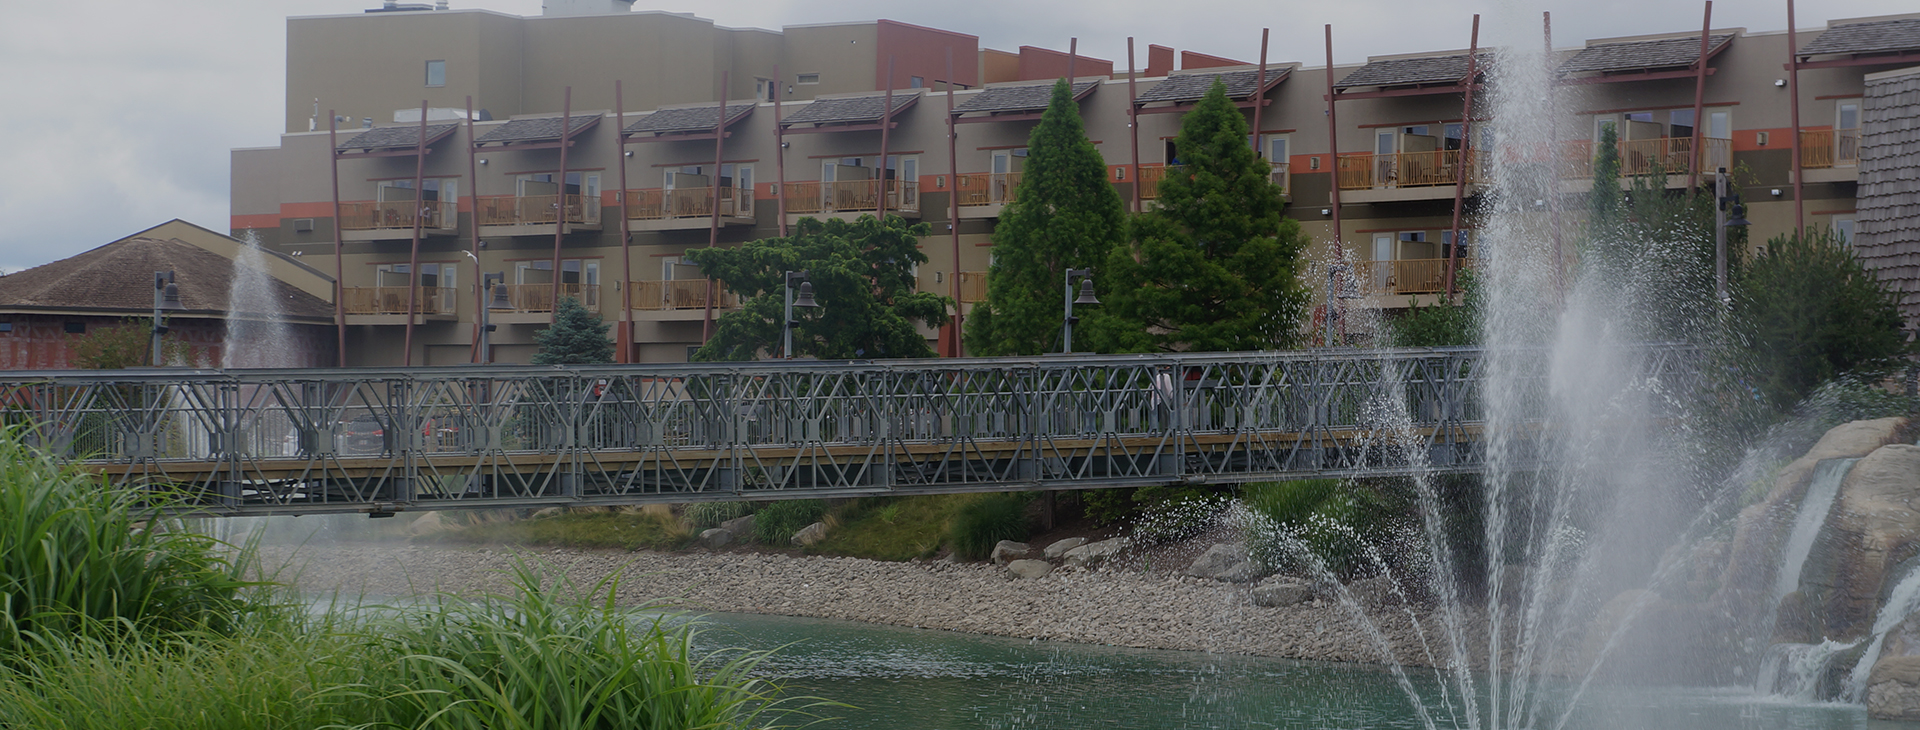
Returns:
<point x="804" y="298"/>
<point x="166" y="298"/>
<point x="1720" y="224"/>
<point x="1086" y="297"/>
<point x="496" y="287"/>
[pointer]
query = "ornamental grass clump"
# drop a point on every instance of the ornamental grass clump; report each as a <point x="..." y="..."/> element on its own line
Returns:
<point x="80" y="557"/>
<point x="984" y="522"/>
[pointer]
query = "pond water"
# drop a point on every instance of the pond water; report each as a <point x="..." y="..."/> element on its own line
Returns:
<point x="936" y="680"/>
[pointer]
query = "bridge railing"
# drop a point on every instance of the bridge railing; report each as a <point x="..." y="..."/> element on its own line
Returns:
<point x="264" y="441"/>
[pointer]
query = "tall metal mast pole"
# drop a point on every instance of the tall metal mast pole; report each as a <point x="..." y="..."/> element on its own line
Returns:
<point x="419" y="214"/>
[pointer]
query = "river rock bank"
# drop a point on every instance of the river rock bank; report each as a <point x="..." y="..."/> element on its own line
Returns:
<point x="1113" y="605"/>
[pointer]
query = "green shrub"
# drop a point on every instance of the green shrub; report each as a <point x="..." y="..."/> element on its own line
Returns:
<point x="776" y="523"/>
<point x="649" y="530"/>
<point x="892" y="528"/>
<point x="704" y="515"/>
<point x="77" y="556"/>
<point x="1338" y="522"/>
<point x="985" y="521"/>
<point x="1806" y="311"/>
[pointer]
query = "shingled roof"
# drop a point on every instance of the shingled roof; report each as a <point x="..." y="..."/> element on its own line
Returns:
<point x="539" y="129"/>
<point x="1191" y="87"/>
<point x="687" y="119"/>
<point x="849" y="109"/>
<point x="1873" y="37"/>
<point x="384" y="138"/>
<point x="1410" y="71"/>
<point x="1023" y="98"/>
<point x="118" y="277"/>
<point x="1630" y="55"/>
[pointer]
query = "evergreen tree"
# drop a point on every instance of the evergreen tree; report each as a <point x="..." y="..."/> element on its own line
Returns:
<point x="1215" y="265"/>
<point x="1806" y="311"/>
<point x="1064" y="215"/>
<point x="862" y="276"/>
<point x="577" y="337"/>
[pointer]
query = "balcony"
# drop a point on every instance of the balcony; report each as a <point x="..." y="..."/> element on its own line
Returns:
<point x="368" y="220"/>
<point x="984" y="194"/>
<point x="1150" y="178"/>
<point x="677" y="300"/>
<point x="659" y="209"/>
<point x="850" y="198"/>
<point x="1282" y="177"/>
<point x="973" y="285"/>
<point x="1428" y="175"/>
<point x="1830" y="155"/>
<point x="533" y="215"/>
<point x="1644" y="157"/>
<point x="538" y="298"/>
<point x="388" y="304"/>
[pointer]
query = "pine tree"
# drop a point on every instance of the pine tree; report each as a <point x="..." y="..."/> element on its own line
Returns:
<point x="1806" y="311"/>
<point x="1065" y="214"/>
<point x="1215" y="265"/>
<point x="862" y="277"/>
<point x="577" y="337"/>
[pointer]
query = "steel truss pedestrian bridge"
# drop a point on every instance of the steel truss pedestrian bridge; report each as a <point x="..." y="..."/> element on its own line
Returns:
<point x="255" y="442"/>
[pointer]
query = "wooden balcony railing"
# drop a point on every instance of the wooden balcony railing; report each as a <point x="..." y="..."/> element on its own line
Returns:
<point x="679" y="294"/>
<point x="527" y="210"/>
<point x="1409" y="169"/>
<point x="368" y="215"/>
<point x="1821" y="148"/>
<point x="661" y="204"/>
<point x="986" y="188"/>
<point x="1282" y="178"/>
<point x="393" y="300"/>
<point x="539" y="297"/>
<point x="851" y="196"/>
<point x="1150" y="178"/>
<point x="1643" y="156"/>
<point x="1405" y="276"/>
<point x="973" y="286"/>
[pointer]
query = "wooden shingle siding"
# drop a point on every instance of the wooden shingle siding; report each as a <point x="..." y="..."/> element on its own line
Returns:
<point x="1887" y="233"/>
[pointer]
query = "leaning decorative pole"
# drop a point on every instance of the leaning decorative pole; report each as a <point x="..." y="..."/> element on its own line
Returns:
<point x="1333" y="158"/>
<point x="339" y="268"/>
<point x="1133" y="127"/>
<point x="166" y="298"/>
<point x="419" y="213"/>
<point x="1695" y="158"/>
<point x="1462" y="165"/>
<point x="1793" y="111"/>
<point x="713" y="228"/>
<point x="1553" y="197"/>
<point x="953" y="205"/>
<point x="560" y="201"/>
<point x="1259" y="99"/>
<point x="779" y="155"/>
<point x="1086" y="297"/>
<point x="886" y="123"/>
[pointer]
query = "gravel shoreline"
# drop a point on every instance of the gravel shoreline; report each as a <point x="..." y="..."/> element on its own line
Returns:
<point x="1116" y="605"/>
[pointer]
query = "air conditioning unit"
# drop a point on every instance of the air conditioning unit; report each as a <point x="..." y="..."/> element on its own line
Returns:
<point x="303" y="225"/>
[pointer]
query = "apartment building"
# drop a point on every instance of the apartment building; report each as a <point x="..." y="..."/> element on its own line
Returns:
<point x="614" y="161"/>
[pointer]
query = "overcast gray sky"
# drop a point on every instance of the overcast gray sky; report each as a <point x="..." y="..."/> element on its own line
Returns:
<point x="119" y="116"/>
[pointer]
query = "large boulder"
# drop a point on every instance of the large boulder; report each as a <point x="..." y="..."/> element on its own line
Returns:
<point x="1029" y="568"/>
<point x="1745" y="588"/>
<point x="810" y="534"/>
<point x="715" y="537"/>
<point x="1893" y="689"/>
<point x="1095" y="553"/>
<point x="1060" y="547"/>
<point x="741" y="527"/>
<point x="1227" y="562"/>
<point x="1007" y="551"/>
<point x="1874" y="526"/>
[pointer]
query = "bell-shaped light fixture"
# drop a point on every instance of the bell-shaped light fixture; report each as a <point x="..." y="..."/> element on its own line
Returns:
<point x="803" y="297"/>
<point x="170" y="298"/>
<point x="1737" y="216"/>
<point x="1086" y="293"/>
<point x="500" y="301"/>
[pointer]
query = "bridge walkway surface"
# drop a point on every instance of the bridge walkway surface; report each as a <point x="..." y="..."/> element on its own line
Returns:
<point x="259" y="442"/>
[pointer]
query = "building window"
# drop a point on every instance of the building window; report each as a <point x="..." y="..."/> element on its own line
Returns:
<point x="916" y="82"/>
<point x="76" y="328"/>
<point x="436" y="73"/>
<point x="763" y="89"/>
<point x="808" y="78"/>
<point x="1843" y="231"/>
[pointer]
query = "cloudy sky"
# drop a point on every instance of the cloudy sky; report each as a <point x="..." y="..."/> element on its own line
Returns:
<point x="119" y="116"/>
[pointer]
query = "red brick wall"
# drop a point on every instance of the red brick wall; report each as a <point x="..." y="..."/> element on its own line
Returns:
<point x="41" y="342"/>
<point x="1038" y="64"/>
<point x="922" y="52"/>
